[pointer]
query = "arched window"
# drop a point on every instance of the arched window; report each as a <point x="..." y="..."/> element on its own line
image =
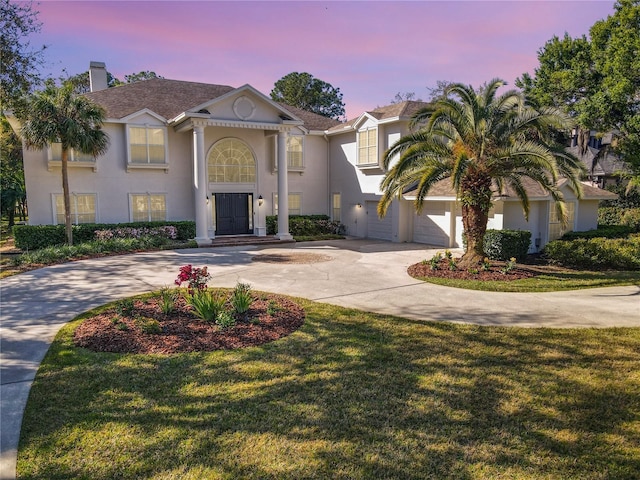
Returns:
<point x="231" y="161"/>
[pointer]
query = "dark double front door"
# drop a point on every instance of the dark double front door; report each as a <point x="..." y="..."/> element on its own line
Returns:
<point x="233" y="213"/>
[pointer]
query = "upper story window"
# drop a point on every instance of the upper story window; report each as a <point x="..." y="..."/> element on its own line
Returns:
<point x="147" y="146"/>
<point x="295" y="149"/>
<point x="82" y="208"/>
<point x="368" y="146"/>
<point x="75" y="159"/>
<point x="231" y="161"/>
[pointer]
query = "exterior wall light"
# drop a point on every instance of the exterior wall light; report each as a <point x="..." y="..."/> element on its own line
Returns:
<point x="260" y="200"/>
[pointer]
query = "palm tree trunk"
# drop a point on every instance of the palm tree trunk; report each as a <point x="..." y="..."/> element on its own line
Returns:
<point x="474" y="221"/>
<point x="65" y="194"/>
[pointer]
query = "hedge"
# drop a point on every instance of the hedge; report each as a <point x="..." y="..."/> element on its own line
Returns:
<point x="596" y="253"/>
<point x="33" y="237"/>
<point x="506" y="244"/>
<point x="306" y="225"/>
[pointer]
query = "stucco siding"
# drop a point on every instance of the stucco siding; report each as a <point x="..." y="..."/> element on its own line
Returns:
<point x="587" y="215"/>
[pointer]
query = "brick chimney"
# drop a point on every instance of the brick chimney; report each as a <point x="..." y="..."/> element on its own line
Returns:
<point x="97" y="76"/>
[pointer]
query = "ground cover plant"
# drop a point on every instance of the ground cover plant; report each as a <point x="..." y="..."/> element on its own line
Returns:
<point x="534" y="274"/>
<point x="350" y="395"/>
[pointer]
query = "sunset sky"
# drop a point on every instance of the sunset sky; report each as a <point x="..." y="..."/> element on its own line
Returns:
<point x="369" y="50"/>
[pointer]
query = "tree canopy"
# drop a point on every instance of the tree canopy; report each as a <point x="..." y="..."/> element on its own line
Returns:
<point x="81" y="82"/>
<point x="304" y="91"/>
<point x="596" y="80"/>
<point x="483" y="143"/>
<point x="19" y="60"/>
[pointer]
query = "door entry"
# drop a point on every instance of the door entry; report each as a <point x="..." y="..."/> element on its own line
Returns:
<point x="233" y="213"/>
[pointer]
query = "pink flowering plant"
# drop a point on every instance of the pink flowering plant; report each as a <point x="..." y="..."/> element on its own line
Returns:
<point x="195" y="276"/>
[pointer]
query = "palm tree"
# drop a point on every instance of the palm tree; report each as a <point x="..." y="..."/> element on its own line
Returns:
<point x="57" y="114"/>
<point x="482" y="142"/>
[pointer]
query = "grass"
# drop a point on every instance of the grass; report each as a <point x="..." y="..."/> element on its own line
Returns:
<point x="554" y="279"/>
<point x="352" y="395"/>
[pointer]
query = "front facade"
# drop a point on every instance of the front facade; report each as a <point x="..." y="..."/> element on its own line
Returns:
<point x="228" y="157"/>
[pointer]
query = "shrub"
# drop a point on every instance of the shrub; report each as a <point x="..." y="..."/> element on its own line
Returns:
<point x="167" y="298"/>
<point x="225" y="320"/>
<point x="505" y="244"/>
<point x="306" y="225"/>
<point x="196" y="277"/>
<point x="610" y="215"/>
<point x="241" y="298"/>
<point x="596" y="253"/>
<point x="33" y="237"/>
<point x="206" y="304"/>
<point x="604" y="231"/>
<point x="631" y="218"/>
<point x="148" y="325"/>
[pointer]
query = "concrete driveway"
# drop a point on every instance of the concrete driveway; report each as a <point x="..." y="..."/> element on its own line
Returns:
<point x="365" y="274"/>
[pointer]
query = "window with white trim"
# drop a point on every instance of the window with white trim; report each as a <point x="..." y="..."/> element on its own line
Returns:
<point x="231" y="161"/>
<point x="147" y="145"/>
<point x="295" y="149"/>
<point x="336" y="204"/>
<point x="295" y="204"/>
<point x="82" y="207"/>
<point x="556" y="230"/>
<point x="148" y="207"/>
<point x="368" y="146"/>
<point x="55" y="154"/>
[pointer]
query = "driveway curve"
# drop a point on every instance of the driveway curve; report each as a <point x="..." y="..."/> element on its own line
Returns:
<point x="364" y="274"/>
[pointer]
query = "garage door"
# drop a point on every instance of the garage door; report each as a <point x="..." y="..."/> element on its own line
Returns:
<point x="377" y="228"/>
<point x="432" y="226"/>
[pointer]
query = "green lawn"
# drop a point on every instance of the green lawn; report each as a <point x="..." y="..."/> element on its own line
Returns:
<point x="351" y="395"/>
<point x="554" y="279"/>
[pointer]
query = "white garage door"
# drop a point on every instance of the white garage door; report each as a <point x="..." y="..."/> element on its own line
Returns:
<point x="381" y="229"/>
<point x="432" y="226"/>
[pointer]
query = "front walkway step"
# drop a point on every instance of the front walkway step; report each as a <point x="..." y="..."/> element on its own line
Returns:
<point x="242" y="240"/>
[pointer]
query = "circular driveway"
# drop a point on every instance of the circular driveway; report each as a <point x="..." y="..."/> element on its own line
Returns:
<point x="364" y="274"/>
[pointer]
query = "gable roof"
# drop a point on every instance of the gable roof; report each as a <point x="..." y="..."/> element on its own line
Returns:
<point x="402" y="110"/>
<point x="170" y="98"/>
<point x="444" y="189"/>
<point x="599" y="161"/>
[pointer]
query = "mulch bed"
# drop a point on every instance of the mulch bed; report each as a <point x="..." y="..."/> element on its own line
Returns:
<point x="494" y="273"/>
<point x="270" y="317"/>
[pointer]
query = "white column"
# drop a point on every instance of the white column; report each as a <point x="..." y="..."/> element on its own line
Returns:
<point x="200" y="183"/>
<point x="283" y="189"/>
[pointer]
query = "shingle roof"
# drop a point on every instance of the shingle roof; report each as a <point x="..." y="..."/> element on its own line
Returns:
<point x="404" y="109"/>
<point x="443" y="188"/>
<point x="170" y="98"/>
<point x="599" y="162"/>
<point x="165" y="97"/>
<point x="312" y="121"/>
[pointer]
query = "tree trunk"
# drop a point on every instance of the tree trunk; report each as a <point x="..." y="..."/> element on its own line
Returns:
<point x="474" y="221"/>
<point x="65" y="194"/>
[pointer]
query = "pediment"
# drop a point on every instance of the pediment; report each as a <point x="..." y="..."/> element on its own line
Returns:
<point x="245" y="104"/>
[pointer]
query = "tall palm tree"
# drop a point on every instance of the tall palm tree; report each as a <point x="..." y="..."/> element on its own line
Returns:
<point x="57" y="114"/>
<point x="482" y="142"/>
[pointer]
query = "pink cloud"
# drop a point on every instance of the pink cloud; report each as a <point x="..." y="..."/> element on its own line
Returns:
<point x="370" y="50"/>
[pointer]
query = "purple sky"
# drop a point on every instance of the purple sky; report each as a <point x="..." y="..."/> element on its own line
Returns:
<point x="369" y="50"/>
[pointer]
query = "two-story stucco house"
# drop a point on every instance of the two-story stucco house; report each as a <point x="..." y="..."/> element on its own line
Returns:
<point x="227" y="157"/>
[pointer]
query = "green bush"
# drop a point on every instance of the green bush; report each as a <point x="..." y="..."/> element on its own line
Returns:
<point x="596" y="253"/>
<point x="33" y="237"/>
<point x="610" y="215"/>
<point x="506" y="244"/>
<point x="631" y="218"/>
<point x="306" y="225"/>
<point x="603" y="231"/>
